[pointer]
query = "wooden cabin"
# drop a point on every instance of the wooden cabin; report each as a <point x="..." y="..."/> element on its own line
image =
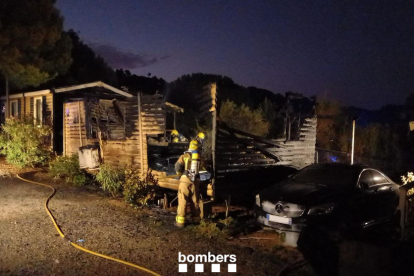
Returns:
<point x="96" y="115"/>
<point x="38" y="104"/>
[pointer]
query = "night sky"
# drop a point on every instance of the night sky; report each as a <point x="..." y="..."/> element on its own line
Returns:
<point x="358" y="52"/>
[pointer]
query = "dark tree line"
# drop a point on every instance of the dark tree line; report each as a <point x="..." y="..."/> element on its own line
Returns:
<point x="36" y="53"/>
<point x="382" y="137"/>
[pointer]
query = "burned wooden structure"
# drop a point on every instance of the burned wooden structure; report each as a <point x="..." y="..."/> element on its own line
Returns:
<point x="119" y="127"/>
<point x="96" y="115"/>
<point x="46" y="106"/>
<point x="237" y="151"/>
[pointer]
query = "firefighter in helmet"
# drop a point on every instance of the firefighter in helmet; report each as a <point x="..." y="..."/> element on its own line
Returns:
<point x="197" y="143"/>
<point x="175" y="136"/>
<point x="200" y="137"/>
<point x="188" y="190"/>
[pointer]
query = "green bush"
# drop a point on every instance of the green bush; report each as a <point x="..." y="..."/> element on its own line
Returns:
<point x="135" y="190"/>
<point x="68" y="167"/>
<point x="25" y="144"/>
<point x="208" y="229"/>
<point x="111" y="178"/>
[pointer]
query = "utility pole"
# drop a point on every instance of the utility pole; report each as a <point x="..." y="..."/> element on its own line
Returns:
<point x="353" y="140"/>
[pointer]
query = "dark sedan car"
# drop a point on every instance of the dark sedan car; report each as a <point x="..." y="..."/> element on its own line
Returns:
<point x="353" y="196"/>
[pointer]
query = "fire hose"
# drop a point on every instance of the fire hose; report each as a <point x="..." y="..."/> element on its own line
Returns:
<point x="75" y="245"/>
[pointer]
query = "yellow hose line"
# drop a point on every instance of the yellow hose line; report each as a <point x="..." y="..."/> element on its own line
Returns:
<point x="75" y="245"/>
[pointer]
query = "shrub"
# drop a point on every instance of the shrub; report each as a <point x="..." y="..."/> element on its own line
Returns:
<point x="208" y="229"/>
<point x="136" y="190"/>
<point x="25" y="144"/>
<point x="80" y="179"/>
<point x="68" y="167"/>
<point x="243" y="118"/>
<point x="111" y="178"/>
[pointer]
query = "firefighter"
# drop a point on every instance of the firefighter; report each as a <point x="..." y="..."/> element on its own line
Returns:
<point x="200" y="137"/>
<point x="197" y="143"/>
<point x="175" y="136"/>
<point x="188" y="189"/>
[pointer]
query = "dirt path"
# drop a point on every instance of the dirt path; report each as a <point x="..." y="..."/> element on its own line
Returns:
<point x="29" y="244"/>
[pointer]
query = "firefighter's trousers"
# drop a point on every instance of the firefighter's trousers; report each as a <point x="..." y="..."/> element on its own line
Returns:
<point x="188" y="192"/>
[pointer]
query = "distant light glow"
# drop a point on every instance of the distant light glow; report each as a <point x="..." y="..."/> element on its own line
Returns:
<point x="334" y="158"/>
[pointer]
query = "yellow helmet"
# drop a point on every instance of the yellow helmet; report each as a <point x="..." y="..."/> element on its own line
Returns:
<point x="194" y="145"/>
<point x="174" y="133"/>
<point x="201" y="135"/>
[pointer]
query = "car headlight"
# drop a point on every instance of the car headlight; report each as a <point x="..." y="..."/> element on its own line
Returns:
<point x="323" y="209"/>
<point x="258" y="199"/>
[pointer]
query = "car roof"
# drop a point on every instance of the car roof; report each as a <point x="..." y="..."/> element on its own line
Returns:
<point x="356" y="167"/>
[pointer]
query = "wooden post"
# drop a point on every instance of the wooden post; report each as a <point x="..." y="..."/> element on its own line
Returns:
<point x="403" y="208"/>
<point x="140" y="135"/>
<point x="80" y="127"/>
<point x="64" y="129"/>
<point x="174" y="114"/>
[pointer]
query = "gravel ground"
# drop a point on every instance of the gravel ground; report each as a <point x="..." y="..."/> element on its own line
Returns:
<point x="30" y="245"/>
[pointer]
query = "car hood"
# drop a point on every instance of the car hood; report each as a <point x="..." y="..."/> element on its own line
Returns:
<point x="302" y="194"/>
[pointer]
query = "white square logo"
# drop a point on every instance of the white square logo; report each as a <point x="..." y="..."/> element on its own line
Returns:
<point x="215" y="267"/>
<point x="232" y="268"/>
<point x="182" y="267"/>
<point x="199" y="267"/>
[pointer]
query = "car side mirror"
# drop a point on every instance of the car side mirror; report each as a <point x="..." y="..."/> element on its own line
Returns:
<point x="364" y="186"/>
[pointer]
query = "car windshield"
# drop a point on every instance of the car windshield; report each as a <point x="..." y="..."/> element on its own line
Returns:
<point x="334" y="176"/>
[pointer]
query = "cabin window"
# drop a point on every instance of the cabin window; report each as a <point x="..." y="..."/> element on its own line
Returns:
<point x="14" y="112"/>
<point x="38" y="110"/>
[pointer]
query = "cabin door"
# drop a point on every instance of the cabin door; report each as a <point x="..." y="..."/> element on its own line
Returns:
<point x="74" y="127"/>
